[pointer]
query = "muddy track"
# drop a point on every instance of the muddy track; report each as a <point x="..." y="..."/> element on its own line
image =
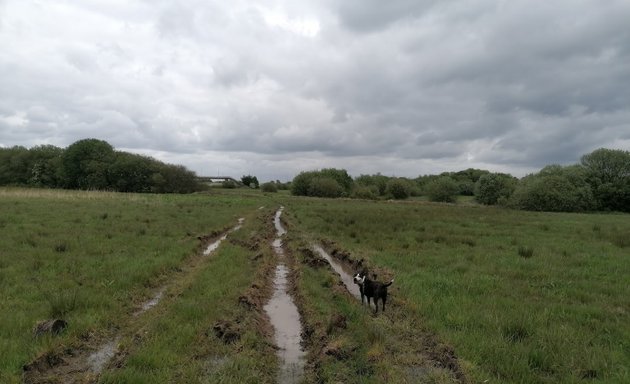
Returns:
<point x="436" y="353"/>
<point x="283" y="313"/>
<point x="84" y="360"/>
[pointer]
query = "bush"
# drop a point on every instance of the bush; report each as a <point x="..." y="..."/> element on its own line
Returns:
<point x="365" y="192"/>
<point x="301" y="183"/>
<point x="398" y="188"/>
<point x="553" y="189"/>
<point x="324" y="187"/>
<point x="269" y="187"/>
<point x="318" y="183"/>
<point x="443" y="189"/>
<point x="493" y="187"/>
<point x="228" y="184"/>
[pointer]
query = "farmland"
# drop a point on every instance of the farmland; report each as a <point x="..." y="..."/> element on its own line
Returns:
<point x="481" y="294"/>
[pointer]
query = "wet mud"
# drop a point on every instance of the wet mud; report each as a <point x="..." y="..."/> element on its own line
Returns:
<point x="343" y="271"/>
<point x="284" y="316"/>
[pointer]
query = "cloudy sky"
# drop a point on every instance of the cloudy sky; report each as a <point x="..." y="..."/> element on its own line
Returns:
<point x="270" y="88"/>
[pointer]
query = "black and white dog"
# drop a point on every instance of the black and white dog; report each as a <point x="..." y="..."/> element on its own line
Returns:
<point x="371" y="288"/>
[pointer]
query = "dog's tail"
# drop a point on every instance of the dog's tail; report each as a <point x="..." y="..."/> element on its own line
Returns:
<point x="390" y="283"/>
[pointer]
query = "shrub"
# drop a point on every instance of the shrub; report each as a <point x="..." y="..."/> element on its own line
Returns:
<point x="229" y="184"/>
<point x="324" y="187"/>
<point x="365" y="192"/>
<point x="442" y="189"/>
<point x="398" y="188"/>
<point x="494" y="187"/>
<point x="269" y="187"/>
<point x="301" y="183"/>
<point x="553" y="193"/>
<point x="318" y="183"/>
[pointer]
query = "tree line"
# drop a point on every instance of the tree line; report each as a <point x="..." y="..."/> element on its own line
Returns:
<point x="92" y="164"/>
<point x="600" y="182"/>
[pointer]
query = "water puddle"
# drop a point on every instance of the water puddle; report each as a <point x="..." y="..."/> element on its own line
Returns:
<point x="215" y="245"/>
<point x="285" y="317"/>
<point x="150" y="303"/>
<point x="278" y="224"/>
<point x="345" y="274"/>
<point x="102" y="356"/>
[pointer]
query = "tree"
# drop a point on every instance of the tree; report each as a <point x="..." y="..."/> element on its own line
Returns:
<point x="132" y="173"/>
<point x="555" y="189"/>
<point x="398" y="188"/>
<point x="443" y="189"/>
<point x="378" y="181"/>
<point x="491" y="187"/>
<point x="45" y="168"/>
<point x="269" y="187"/>
<point x="250" y="181"/>
<point x="14" y="165"/>
<point x="324" y="186"/>
<point x="85" y="164"/>
<point x="608" y="173"/>
<point x="302" y="184"/>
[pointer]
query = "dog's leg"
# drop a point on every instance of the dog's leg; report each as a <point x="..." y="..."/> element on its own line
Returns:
<point x="384" y="298"/>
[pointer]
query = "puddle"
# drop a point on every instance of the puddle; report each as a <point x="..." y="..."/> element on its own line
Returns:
<point x="285" y="317"/>
<point x="342" y="271"/>
<point x="239" y="225"/>
<point x="213" y="247"/>
<point x="99" y="359"/>
<point x="150" y="303"/>
<point x="276" y="222"/>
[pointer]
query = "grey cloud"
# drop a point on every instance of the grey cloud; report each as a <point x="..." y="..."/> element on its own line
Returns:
<point x="414" y="87"/>
<point x="372" y="15"/>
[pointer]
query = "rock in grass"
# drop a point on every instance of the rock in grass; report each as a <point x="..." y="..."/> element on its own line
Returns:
<point x="52" y="326"/>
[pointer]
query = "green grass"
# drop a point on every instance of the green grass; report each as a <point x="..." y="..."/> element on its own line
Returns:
<point x="520" y="297"/>
<point x="90" y="257"/>
<point x="180" y="344"/>
<point x="523" y="297"/>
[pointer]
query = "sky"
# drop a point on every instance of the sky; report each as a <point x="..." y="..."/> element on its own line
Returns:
<point x="272" y="88"/>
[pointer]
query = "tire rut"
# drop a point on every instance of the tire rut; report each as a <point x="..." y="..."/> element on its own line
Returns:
<point x="86" y="360"/>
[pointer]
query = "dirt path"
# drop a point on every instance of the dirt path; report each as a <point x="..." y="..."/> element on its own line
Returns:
<point x="84" y="362"/>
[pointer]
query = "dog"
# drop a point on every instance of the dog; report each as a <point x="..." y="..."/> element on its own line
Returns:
<point x="371" y="288"/>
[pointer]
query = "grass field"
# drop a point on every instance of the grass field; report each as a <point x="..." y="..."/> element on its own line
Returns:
<point x="522" y="297"/>
<point x="92" y="257"/>
<point x="518" y="297"/>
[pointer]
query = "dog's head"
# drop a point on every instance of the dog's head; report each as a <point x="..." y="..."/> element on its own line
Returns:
<point x="359" y="277"/>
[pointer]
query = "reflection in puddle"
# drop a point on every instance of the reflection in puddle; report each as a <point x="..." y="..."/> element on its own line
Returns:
<point x="286" y="320"/>
<point x="99" y="359"/>
<point x="346" y="275"/>
<point x="285" y="317"/>
<point x="276" y="222"/>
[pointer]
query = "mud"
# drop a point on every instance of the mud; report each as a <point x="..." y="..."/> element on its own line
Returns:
<point x="284" y="316"/>
<point x="344" y="272"/>
<point x="97" y="360"/>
